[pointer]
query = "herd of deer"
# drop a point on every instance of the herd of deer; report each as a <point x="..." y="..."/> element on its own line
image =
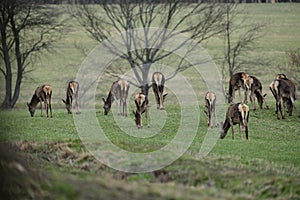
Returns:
<point x="282" y="88"/>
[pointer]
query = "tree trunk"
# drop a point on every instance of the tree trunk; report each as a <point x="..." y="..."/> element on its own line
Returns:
<point x="8" y="92"/>
<point x="20" y="63"/>
<point x="8" y="74"/>
<point x="145" y="81"/>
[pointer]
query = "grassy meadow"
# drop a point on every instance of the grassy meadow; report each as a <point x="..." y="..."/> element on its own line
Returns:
<point x="44" y="158"/>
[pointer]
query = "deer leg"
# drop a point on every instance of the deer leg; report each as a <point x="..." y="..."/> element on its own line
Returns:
<point x="210" y="119"/>
<point x="140" y="123"/>
<point x="264" y="101"/>
<point x="120" y="107"/>
<point x="252" y="99"/>
<point x="157" y="100"/>
<point x="160" y="101"/>
<point x="293" y="106"/>
<point x="41" y="108"/>
<point x="239" y="93"/>
<point x="141" y="120"/>
<point x="240" y="130"/>
<point x="125" y="107"/>
<point x="46" y="107"/>
<point x="277" y="107"/>
<point x="246" y="131"/>
<point x="232" y="131"/>
<point x="50" y="108"/>
<point x="215" y="119"/>
<point x="246" y="96"/>
<point x="280" y="109"/>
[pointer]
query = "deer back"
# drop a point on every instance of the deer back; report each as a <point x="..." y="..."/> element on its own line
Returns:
<point x="141" y="102"/>
<point x="123" y="89"/>
<point x="236" y="81"/>
<point x="159" y="80"/>
<point x="210" y="101"/>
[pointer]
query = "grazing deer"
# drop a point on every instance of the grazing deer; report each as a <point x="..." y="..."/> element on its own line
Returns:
<point x="158" y="81"/>
<point x="118" y="91"/>
<point x="141" y="102"/>
<point x="283" y="89"/>
<point x="236" y="82"/>
<point x="72" y="93"/>
<point x="254" y="85"/>
<point x="210" y="105"/>
<point x="236" y="114"/>
<point x="41" y="94"/>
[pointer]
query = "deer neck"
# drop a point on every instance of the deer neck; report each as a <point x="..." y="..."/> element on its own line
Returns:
<point x="34" y="100"/>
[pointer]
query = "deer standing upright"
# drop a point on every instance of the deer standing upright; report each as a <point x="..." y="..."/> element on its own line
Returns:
<point x="236" y="82"/>
<point x="141" y="102"/>
<point x="72" y="94"/>
<point x="254" y="86"/>
<point x="158" y="82"/>
<point x="41" y="94"/>
<point x="210" y="105"/>
<point x="118" y="91"/>
<point x="283" y="89"/>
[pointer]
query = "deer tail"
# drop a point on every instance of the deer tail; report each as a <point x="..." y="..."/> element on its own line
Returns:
<point x="48" y="90"/>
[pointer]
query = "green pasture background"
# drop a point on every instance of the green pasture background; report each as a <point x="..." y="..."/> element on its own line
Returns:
<point x="265" y="167"/>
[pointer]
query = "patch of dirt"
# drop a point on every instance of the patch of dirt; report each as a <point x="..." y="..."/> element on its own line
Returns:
<point x="31" y="170"/>
<point x="60" y="153"/>
<point x="26" y="174"/>
<point x="19" y="180"/>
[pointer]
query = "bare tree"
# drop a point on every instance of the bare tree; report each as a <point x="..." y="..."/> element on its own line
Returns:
<point x="292" y="67"/>
<point x="26" y="29"/>
<point x="134" y="22"/>
<point x="239" y="37"/>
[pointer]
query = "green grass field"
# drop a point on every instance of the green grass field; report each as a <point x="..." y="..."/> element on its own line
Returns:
<point x="44" y="158"/>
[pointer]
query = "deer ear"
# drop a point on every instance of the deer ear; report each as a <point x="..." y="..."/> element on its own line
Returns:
<point x="103" y="100"/>
<point x="64" y="101"/>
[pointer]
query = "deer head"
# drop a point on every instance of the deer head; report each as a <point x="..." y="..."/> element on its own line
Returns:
<point x="31" y="109"/>
<point x="68" y="106"/>
<point x="106" y="106"/>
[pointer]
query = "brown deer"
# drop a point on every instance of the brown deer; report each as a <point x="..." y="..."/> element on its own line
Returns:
<point x="118" y="91"/>
<point x="236" y="114"/>
<point x="41" y="94"/>
<point x="72" y="93"/>
<point x="236" y="82"/>
<point x="254" y="86"/>
<point x="283" y="89"/>
<point x="158" y="82"/>
<point x="210" y="105"/>
<point x="141" y="102"/>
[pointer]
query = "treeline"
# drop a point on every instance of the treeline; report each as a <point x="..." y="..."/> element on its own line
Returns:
<point x="154" y="1"/>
